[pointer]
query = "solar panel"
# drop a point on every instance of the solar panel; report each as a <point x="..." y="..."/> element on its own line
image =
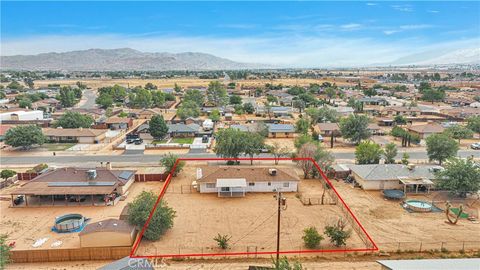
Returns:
<point x="125" y="175"/>
<point x="79" y="184"/>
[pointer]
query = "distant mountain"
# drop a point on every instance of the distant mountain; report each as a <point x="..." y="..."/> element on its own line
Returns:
<point x="441" y="57"/>
<point x="121" y="60"/>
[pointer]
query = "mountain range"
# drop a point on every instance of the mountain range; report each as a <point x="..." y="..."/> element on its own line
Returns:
<point x="121" y="60"/>
<point x="126" y="59"/>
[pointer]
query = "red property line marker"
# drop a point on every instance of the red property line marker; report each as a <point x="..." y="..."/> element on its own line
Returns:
<point x="167" y="182"/>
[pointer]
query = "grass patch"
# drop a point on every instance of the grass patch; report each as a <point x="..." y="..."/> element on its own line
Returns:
<point x="182" y="140"/>
<point x="57" y="146"/>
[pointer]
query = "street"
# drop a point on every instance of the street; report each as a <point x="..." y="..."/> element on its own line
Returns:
<point x="78" y="160"/>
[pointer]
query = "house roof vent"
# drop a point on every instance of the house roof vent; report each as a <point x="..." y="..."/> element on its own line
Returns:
<point x="272" y="172"/>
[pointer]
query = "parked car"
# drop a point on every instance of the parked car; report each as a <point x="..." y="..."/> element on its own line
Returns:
<point x="130" y="140"/>
<point x="138" y="141"/>
<point x="205" y="139"/>
<point x="475" y="146"/>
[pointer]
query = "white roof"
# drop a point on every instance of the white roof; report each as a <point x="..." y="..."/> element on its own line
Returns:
<point x="231" y="182"/>
<point x="431" y="264"/>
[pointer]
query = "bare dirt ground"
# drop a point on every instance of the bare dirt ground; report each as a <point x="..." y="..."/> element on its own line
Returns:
<point x="388" y="223"/>
<point x="250" y="221"/>
<point x="26" y="225"/>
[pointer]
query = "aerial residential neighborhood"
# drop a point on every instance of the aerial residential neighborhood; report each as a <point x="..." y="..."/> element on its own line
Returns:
<point x="132" y="158"/>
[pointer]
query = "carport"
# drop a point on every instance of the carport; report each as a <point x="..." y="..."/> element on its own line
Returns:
<point x="231" y="187"/>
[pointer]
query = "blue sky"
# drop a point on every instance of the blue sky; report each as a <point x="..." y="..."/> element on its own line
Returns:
<point x="279" y="33"/>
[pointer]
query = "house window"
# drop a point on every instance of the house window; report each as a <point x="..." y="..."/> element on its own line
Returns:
<point x="210" y="185"/>
<point x="251" y="184"/>
<point x="225" y="189"/>
<point x="269" y="183"/>
<point x="286" y="184"/>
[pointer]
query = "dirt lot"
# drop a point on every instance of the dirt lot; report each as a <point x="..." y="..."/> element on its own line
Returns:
<point x="24" y="226"/>
<point x="251" y="220"/>
<point x="388" y="223"/>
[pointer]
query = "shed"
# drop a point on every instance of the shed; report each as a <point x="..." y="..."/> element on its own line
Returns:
<point x="108" y="233"/>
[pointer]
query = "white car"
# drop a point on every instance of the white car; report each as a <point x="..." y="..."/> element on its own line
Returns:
<point x="475" y="146"/>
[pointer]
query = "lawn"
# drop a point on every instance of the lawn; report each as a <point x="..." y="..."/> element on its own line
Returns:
<point x="57" y="146"/>
<point x="182" y="140"/>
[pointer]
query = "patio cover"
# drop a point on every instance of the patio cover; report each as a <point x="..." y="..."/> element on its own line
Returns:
<point x="231" y="182"/>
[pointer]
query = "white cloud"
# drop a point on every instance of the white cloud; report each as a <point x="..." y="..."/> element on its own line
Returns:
<point x="415" y="26"/>
<point x="391" y="32"/>
<point x="371" y="4"/>
<point x="351" y="26"/>
<point x="433" y="11"/>
<point x="403" y="8"/>
<point x="293" y="50"/>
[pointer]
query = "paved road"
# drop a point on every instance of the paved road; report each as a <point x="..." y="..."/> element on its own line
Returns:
<point x="139" y="158"/>
<point x="89" y="102"/>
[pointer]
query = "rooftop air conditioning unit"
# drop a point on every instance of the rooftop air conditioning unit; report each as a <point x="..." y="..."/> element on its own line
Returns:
<point x="91" y="174"/>
<point x="272" y="172"/>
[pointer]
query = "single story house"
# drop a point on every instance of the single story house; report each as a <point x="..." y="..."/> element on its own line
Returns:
<point x="229" y="181"/>
<point x="183" y="130"/>
<point x="400" y="110"/>
<point x="108" y="233"/>
<point x="280" y="130"/>
<point x="389" y="176"/>
<point x="144" y="113"/>
<point x="77" y="135"/>
<point x="116" y="122"/>
<point x="375" y="129"/>
<point x="281" y="111"/>
<point x="343" y="110"/>
<point x="431" y="264"/>
<point x="374" y="101"/>
<point x="21" y="115"/>
<point x="426" y="130"/>
<point x="98" y="186"/>
<point x="327" y="129"/>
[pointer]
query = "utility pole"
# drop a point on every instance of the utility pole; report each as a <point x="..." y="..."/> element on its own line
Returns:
<point x="282" y="205"/>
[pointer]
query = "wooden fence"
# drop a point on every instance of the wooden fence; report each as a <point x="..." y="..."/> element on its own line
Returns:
<point x="26" y="176"/>
<point x="71" y="254"/>
<point x="150" y="177"/>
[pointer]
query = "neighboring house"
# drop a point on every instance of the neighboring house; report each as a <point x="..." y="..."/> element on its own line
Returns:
<point x="399" y="110"/>
<point x="327" y="129"/>
<point x="431" y="264"/>
<point x="76" y="135"/>
<point x="375" y="129"/>
<point x="280" y="130"/>
<point x="281" y="111"/>
<point x="3" y="131"/>
<point x="374" y="101"/>
<point x="426" y="130"/>
<point x="144" y="132"/>
<point x="116" y="122"/>
<point x="462" y="112"/>
<point x="387" y="176"/>
<point x="192" y="120"/>
<point x="343" y="110"/>
<point x="78" y="185"/>
<point x="236" y="181"/>
<point x="108" y="233"/>
<point x="144" y="113"/>
<point x="48" y="105"/>
<point x="21" y="115"/>
<point x="183" y="130"/>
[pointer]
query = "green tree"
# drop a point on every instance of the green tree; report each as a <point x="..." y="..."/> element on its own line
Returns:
<point x="370" y="92"/>
<point x="158" y="127"/>
<point x="217" y="94"/>
<point x="459" y="132"/>
<point x="24" y="136"/>
<point x="440" y="147"/>
<point x="194" y="96"/>
<point x="331" y="93"/>
<point x="460" y="176"/>
<point x="74" y="120"/>
<point x="311" y="237"/>
<point x="322" y="115"/>
<point x="188" y="109"/>
<point x="177" y="88"/>
<point x="302" y="126"/>
<point x="215" y="115"/>
<point x="390" y="153"/>
<point x="6" y="173"/>
<point x="278" y="151"/>
<point x="301" y="140"/>
<point x="222" y="240"/>
<point x="405" y="158"/>
<point x="248" y="108"/>
<point x="139" y="211"/>
<point x="400" y="120"/>
<point x="67" y="97"/>
<point x="254" y="142"/>
<point x="15" y="85"/>
<point x="104" y="100"/>
<point x="4" y="251"/>
<point x="235" y="99"/>
<point x="272" y="99"/>
<point x="337" y="233"/>
<point x="355" y="128"/>
<point x="150" y="86"/>
<point x="168" y="162"/>
<point x="25" y="103"/>
<point x="473" y="123"/>
<point x="230" y="143"/>
<point x="158" y="98"/>
<point x="299" y="104"/>
<point x="368" y="152"/>
<point x="141" y="99"/>
<point x="284" y="264"/>
<point x="433" y="95"/>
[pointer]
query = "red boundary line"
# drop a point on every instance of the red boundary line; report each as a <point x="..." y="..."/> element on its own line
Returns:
<point x="167" y="182"/>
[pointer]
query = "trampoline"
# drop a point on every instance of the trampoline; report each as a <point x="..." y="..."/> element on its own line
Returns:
<point x="393" y="194"/>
